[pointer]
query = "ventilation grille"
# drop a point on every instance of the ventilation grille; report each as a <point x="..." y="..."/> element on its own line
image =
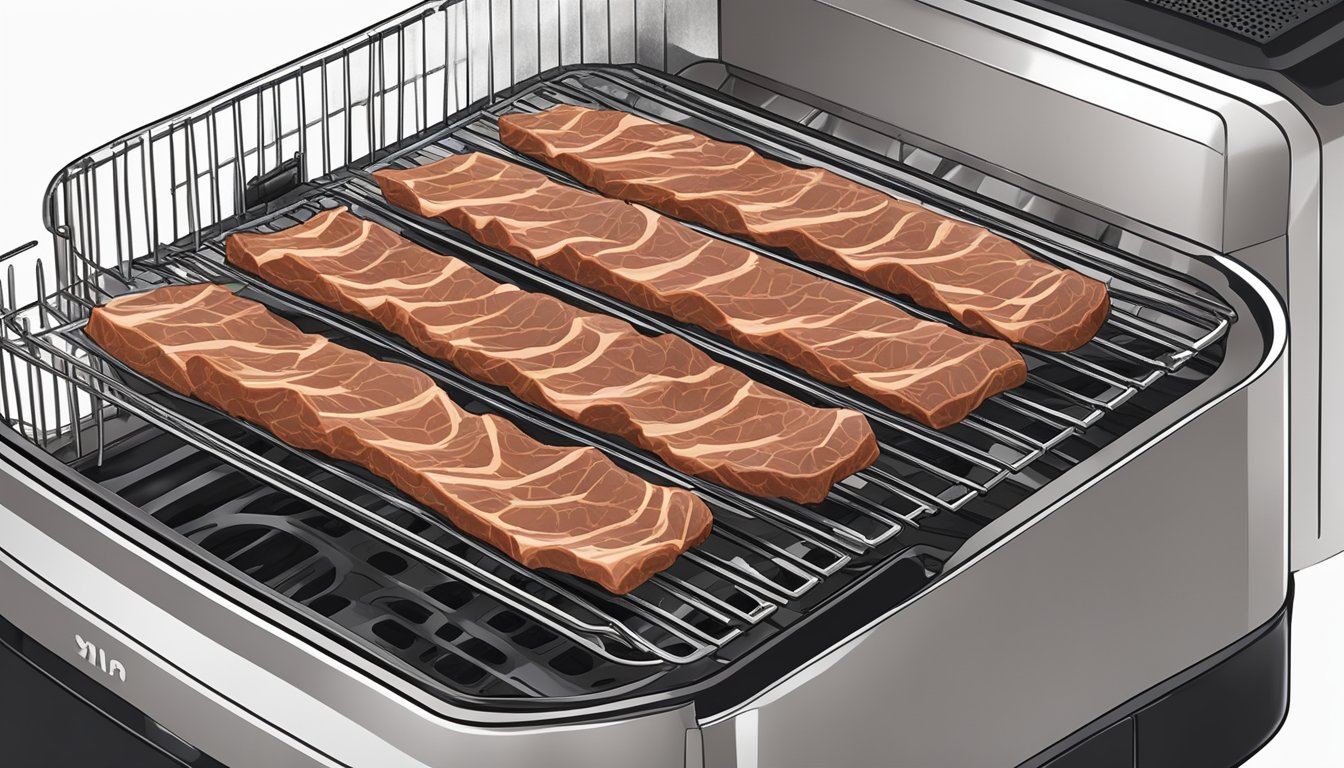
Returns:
<point x="1259" y="20"/>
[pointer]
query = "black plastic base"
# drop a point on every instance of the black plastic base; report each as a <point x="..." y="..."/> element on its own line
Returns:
<point x="1214" y="715"/>
<point x="54" y="716"/>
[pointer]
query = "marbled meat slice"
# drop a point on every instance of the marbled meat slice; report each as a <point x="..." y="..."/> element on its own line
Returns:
<point x="988" y="283"/>
<point x="660" y="393"/>
<point x="924" y="370"/>
<point x="569" y="509"/>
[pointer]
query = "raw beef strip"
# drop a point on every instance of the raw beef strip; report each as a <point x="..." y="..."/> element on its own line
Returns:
<point x="660" y="393"/>
<point x="569" y="509"/>
<point x="988" y="283"/>
<point x="924" y="370"/>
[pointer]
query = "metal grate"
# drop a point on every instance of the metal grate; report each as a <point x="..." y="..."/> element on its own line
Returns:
<point x="461" y="635"/>
<point x="768" y="563"/>
<point x="1259" y="20"/>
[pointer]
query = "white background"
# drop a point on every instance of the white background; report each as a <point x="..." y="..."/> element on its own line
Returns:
<point x="75" y="74"/>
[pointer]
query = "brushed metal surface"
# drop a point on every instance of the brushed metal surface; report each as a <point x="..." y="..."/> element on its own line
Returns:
<point x="1267" y="211"/>
<point x="1314" y="136"/>
<point x="1076" y="602"/>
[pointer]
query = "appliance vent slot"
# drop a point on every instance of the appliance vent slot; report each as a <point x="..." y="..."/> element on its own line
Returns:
<point x="1259" y="20"/>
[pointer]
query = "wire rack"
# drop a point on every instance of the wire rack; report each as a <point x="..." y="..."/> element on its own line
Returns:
<point x="155" y="208"/>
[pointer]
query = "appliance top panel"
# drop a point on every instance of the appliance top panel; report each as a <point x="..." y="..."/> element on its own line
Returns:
<point x="1301" y="40"/>
<point x="1260" y="21"/>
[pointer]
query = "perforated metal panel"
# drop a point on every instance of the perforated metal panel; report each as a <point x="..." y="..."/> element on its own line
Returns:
<point x="1259" y="20"/>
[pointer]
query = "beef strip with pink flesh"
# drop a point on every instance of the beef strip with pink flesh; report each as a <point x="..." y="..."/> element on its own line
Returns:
<point x="659" y="393"/>
<point x="986" y="282"/>
<point x="924" y="370"/>
<point x="570" y="509"/>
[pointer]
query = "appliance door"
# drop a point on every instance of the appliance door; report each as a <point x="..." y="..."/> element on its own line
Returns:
<point x="1171" y="549"/>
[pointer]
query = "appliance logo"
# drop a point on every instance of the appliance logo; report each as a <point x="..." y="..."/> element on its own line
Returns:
<point x="98" y="658"/>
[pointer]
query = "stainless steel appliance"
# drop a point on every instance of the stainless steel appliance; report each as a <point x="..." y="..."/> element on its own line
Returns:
<point x="1091" y="570"/>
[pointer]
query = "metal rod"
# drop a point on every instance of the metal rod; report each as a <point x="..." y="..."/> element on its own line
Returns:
<point x="683" y="591"/>
<point x="44" y="320"/>
<point x="12" y="290"/>
<point x="326" y="121"/>
<point x="277" y="125"/>
<point x="401" y="84"/>
<point x="212" y="139"/>
<point x="349" y="107"/>
<point x="194" y="185"/>
<point x="814" y="539"/>
<point x="239" y="161"/>
<point x="172" y="178"/>
<point x="490" y="83"/>
<point x="7" y="255"/>
<point x="36" y="398"/>
<point x="116" y="213"/>
<point x="1145" y="330"/>
<point x="469" y="58"/>
<point x="371" y="113"/>
<point x="302" y="158"/>
<point x="665" y="621"/>
<point x="63" y="242"/>
<point x="94" y="254"/>
<point x="700" y="597"/>
<point x="126" y="205"/>
<point x="76" y="421"/>
<point x="150" y="193"/>
<point x="1121" y="351"/>
<point x="4" y="392"/>
<point x="449" y="59"/>
<point x="87" y="253"/>
<point x="422" y="87"/>
<point x="6" y="306"/>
